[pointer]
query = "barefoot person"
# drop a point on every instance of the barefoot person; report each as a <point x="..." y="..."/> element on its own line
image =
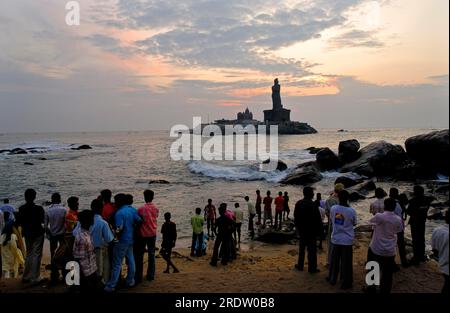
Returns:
<point x="83" y="251"/>
<point x="197" y="233"/>
<point x="210" y="217"/>
<point x="343" y="218"/>
<point x="279" y="207"/>
<point x="309" y="226"/>
<point x="329" y="203"/>
<point x="32" y="219"/>
<point x="267" y="209"/>
<point x="125" y="221"/>
<point x="383" y="246"/>
<point x="286" y="209"/>
<point x="169" y="238"/>
<point x="439" y="244"/>
<point x="146" y="237"/>
<point x="238" y="218"/>
<point x="55" y="228"/>
<point x="251" y="216"/>
<point x="258" y="206"/>
<point x="224" y="237"/>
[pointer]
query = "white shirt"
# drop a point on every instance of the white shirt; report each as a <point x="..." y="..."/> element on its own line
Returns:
<point x="343" y="219"/>
<point x="239" y="215"/>
<point x="384" y="239"/>
<point x="377" y="206"/>
<point x="439" y="242"/>
<point x="251" y="208"/>
<point x="322" y="213"/>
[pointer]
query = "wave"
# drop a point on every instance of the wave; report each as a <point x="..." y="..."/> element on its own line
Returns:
<point x="235" y="172"/>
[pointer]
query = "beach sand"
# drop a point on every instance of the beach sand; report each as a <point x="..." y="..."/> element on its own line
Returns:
<point x="260" y="268"/>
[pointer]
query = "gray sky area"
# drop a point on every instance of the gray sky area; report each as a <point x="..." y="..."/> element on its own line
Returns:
<point x="148" y="64"/>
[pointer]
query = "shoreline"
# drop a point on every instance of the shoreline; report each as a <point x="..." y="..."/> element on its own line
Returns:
<point x="259" y="268"/>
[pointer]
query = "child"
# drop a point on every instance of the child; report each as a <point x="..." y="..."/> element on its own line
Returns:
<point x="83" y="251"/>
<point x="12" y="258"/>
<point x="169" y="234"/>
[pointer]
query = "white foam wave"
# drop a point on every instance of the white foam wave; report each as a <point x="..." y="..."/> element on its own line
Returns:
<point x="235" y="172"/>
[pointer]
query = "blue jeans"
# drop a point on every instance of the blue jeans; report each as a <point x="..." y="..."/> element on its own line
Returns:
<point x="121" y="251"/>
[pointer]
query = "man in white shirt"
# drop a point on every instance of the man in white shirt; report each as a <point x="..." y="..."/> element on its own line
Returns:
<point x="343" y="219"/>
<point x="383" y="246"/>
<point x="251" y="215"/>
<point x="439" y="244"/>
<point x="239" y="216"/>
<point x="378" y="205"/>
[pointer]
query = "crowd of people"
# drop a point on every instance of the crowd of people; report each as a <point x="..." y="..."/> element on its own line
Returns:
<point x="113" y="231"/>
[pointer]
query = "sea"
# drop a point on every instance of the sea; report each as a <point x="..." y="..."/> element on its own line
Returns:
<point x="127" y="161"/>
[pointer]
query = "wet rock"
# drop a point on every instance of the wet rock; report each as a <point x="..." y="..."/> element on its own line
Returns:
<point x="305" y="174"/>
<point x="5" y="151"/>
<point x="356" y="196"/>
<point x="348" y="151"/>
<point x="28" y="163"/>
<point x="314" y="150"/>
<point x="379" y="158"/>
<point x="347" y="181"/>
<point x="365" y="187"/>
<point x="327" y="160"/>
<point x="18" y="151"/>
<point x="281" y="166"/>
<point x="42" y="159"/>
<point x="158" y="181"/>
<point x="83" y="147"/>
<point x="430" y="151"/>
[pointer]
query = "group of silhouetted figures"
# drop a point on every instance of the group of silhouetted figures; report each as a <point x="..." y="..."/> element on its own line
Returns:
<point x="99" y="240"/>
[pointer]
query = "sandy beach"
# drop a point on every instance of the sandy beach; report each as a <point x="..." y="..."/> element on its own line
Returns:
<point x="259" y="268"/>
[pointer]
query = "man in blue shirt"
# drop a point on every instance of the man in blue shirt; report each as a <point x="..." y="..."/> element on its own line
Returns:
<point x="126" y="220"/>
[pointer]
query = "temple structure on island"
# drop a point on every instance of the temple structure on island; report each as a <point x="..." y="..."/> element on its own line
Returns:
<point x="276" y="116"/>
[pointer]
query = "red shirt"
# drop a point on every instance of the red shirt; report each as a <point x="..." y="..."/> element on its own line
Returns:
<point x="108" y="211"/>
<point x="149" y="214"/>
<point x="267" y="203"/>
<point x="210" y="211"/>
<point x="279" y="203"/>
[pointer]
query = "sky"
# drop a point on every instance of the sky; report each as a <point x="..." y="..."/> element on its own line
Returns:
<point x="148" y="64"/>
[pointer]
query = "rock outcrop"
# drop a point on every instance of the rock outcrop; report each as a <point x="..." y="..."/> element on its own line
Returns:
<point x="306" y="174"/>
<point x="327" y="160"/>
<point x="349" y="150"/>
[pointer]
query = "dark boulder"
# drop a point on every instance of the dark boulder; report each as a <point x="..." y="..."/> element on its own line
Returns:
<point x="83" y="147"/>
<point x="347" y="181"/>
<point x="305" y="174"/>
<point x="327" y="160"/>
<point x="431" y="151"/>
<point x="365" y="187"/>
<point x="281" y="166"/>
<point x="18" y="151"/>
<point x="158" y="182"/>
<point x="349" y="151"/>
<point x="379" y="158"/>
<point x="5" y="151"/>
<point x="314" y="150"/>
<point x="28" y="163"/>
<point x="42" y="159"/>
<point x="356" y="196"/>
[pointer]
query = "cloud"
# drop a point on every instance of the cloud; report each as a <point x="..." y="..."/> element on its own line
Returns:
<point x="356" y="38"/>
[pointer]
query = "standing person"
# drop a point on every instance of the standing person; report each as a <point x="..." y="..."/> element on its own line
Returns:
<point x="224" y="237"/>
<point x="319" y="203"/>
<point x="102" y="236"/>
<point x="286" y="209"/>
<point x="54" y="224"/>
<point x="32" y="219"/>
<point x="251" y="215"/>
<point x="6" y="207"/>
<point x="2" y="225"/>
<point x="279" y="207"/>
<point x="382" y="248"/>
<point x="343" y="218"/>
<point x="258" y="207"/>
<point x="378" y="205"/>
<point x="210" y="217"/>
<point x="169" y="239"/>
<point x="197" y="233"/>
<point x="125" y="220"/>
<point x="332" y="200"/>
<point x="71" y="219"/>
<point x="83" y="251"/>
<point x="394" y="194"/>
<point x="11" y="256"/>
<point x="239" y="217"/>
<point x="146" y="237"/>
<point x="267" y="209"/>
<point x="309" y="226"/>
<point x="418" y="210"/>
<point x="439" y="244"/>
<point x="403" y="201"/>
<point x="108" y="207"/>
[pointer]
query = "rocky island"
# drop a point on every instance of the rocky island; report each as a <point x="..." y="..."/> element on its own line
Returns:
<point x="276" y="116"/>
